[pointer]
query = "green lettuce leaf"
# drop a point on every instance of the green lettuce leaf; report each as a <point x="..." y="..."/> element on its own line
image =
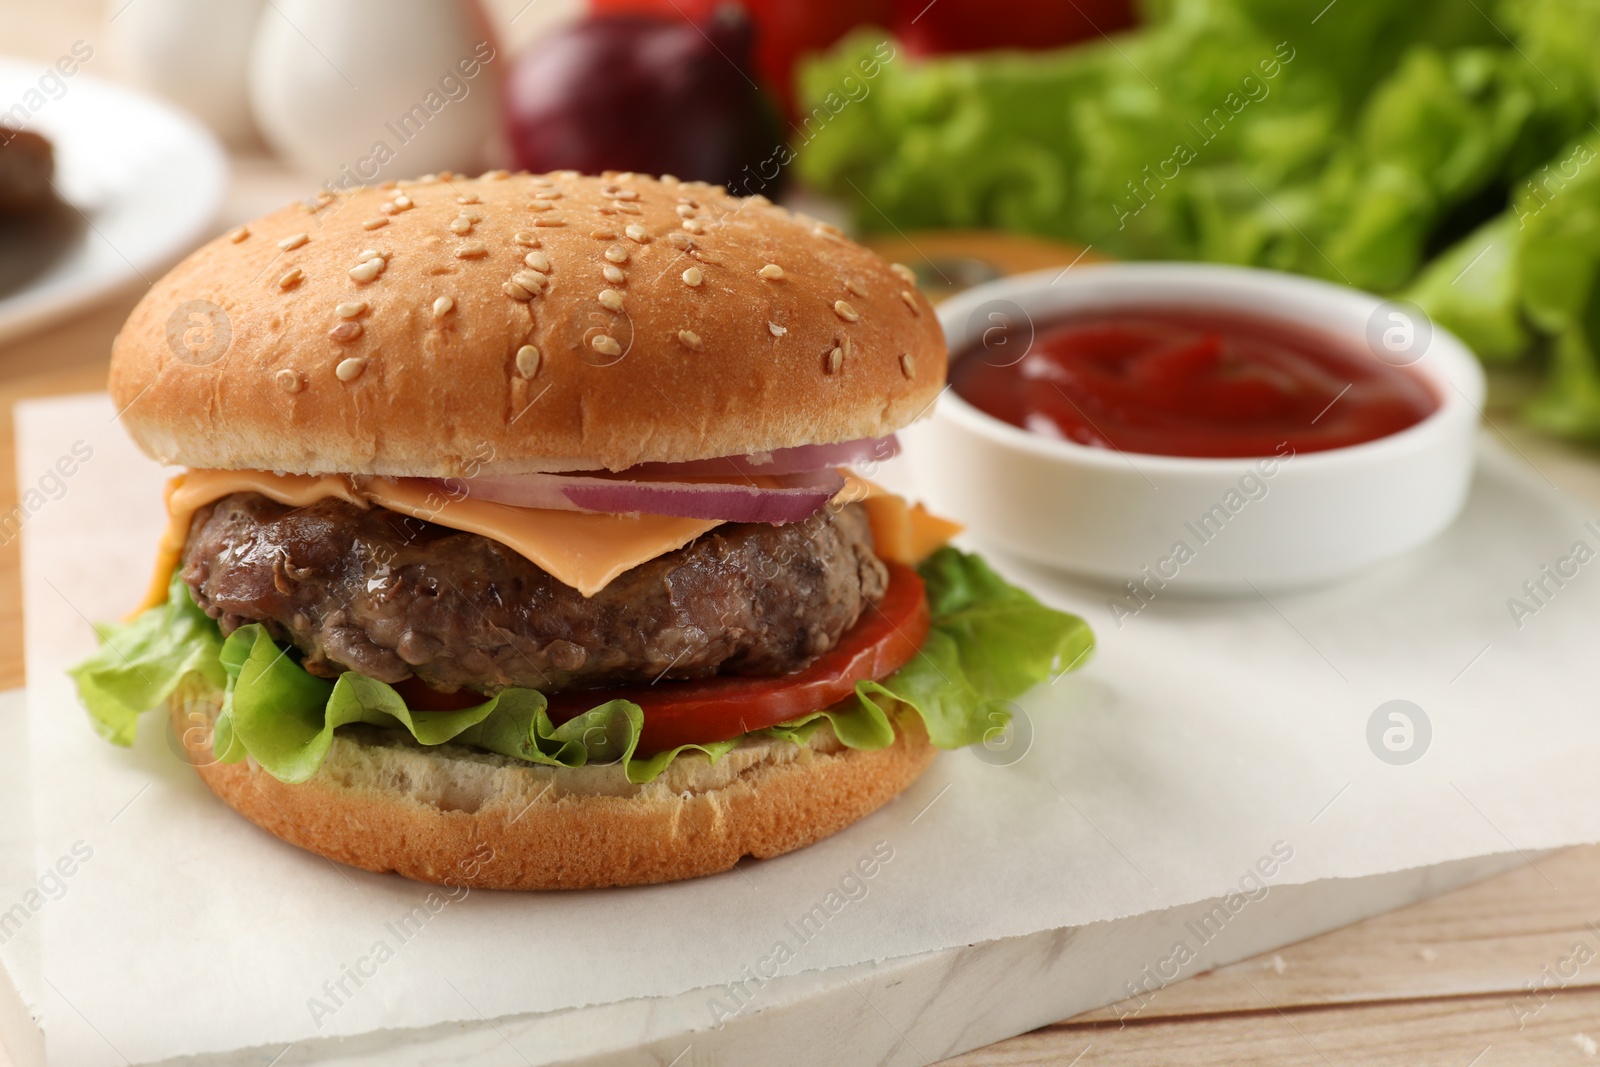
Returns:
<point x="1471" y="290"/>
<point x="286" y="718"/>
<point x="142" y="662"/>
<point x="990" y="641"/>
<point x="1435" y="148"/>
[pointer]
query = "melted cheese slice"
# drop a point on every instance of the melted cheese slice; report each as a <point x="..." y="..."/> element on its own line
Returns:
<point x="901" y="532"/>
<point x="906" y="533"/>
<point x="193" y="490"/>
<point x="580" y="549"/>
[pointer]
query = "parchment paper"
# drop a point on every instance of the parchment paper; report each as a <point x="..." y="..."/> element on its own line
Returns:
<point x="1204" y="738"/>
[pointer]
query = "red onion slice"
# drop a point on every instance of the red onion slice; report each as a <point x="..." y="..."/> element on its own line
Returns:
<point x="780" y="460"/>
<point x="795" y="497"/>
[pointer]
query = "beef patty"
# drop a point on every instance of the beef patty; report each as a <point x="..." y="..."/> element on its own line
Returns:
<point x="390" y="596"/>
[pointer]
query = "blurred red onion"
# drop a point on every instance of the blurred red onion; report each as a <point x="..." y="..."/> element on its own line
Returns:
<point x="785" y="29"/>
<point x="647" y="94"/>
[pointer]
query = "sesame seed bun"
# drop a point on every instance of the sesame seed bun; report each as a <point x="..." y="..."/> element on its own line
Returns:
<point x="456" y="816"/>
<point x="515" y="323"/>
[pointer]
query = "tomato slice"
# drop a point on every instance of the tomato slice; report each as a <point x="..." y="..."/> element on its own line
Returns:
<point x="721" y="708"/>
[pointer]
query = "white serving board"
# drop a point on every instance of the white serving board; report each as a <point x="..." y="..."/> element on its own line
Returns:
<point x="908" y="1011"/>
<point x="1198" y="736"/>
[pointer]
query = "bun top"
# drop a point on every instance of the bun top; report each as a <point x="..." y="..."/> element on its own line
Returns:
<point x="515" y="323"/>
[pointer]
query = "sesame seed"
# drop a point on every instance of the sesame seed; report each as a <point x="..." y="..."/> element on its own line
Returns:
<point x="516" y="292"/>
<point x="289" y="381"/>
<point x="551" y="193"/>
<point x="527" y="361"/>
<point x="908" y="275"/>
<point x="240" y="234"/>
<point x="388" y="208"/>
<point x="495" y="175"/>
<point x="555" y="218"/>
<point x="350" y="310"/>
<point x="684" y="211"/>
<point x="537" y="260"/>
<point x="567" y="175"/>
<point x="911" y="301"/>
<point x="374" y="224"/>
<point x="541" y="180"/>
<point x="350" y="369"/>
<point x="617" y="254"/>
<point x="603" y="235"/>
<point x="669" y="179"/>
<point x="907" y="367"/>
<point x="403" y="202"/>
<point x="777" y="331"/>
<point x="614" y="273"/>
<point x="614" y="193"/>
<point x="638" y="233"/>
<point x="348" y="330"/>
<point x="610" y="298"/>
<point x="530" y="280"/>
<point x="690" y="339"/>
<point x="471" y="214"/>
<point x="373" y="253"/>
<point x="462" y="225"/>
<point x="442" y="306"/>
<point x="367" y="269"/>
<point x="293" y="241"/>
<point x="835" y="360"/>
<point x="292" y="279"/>
<point x="825" y="229"/>
<point x="468" y="198"/>
<point x="693" y="276"/>
<point x="427" y="179"/>
<point x="845" y="311"/>
<point x="472" y="250"/>
<point x="389" y="184"/>
<point x="694" y="226"/>
<point x="771" y="272"/>
<point x="680" y="240"/>
<point x="525" y="239"/>
<point x="541" y="205"/>
<point x="628" y="209"/>
<point x="689" y="200"/>
<point x="855" y="287"/>
<point x="606" y="345"/>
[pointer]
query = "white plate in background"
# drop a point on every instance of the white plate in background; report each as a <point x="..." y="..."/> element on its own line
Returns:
<point x="147" y="179"/>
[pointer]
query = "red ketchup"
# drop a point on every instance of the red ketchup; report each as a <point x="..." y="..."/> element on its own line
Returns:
<point x="1176" y="382"/>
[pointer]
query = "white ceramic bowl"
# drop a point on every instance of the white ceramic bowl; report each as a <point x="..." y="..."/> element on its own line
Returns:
<point x="1123" y="516"/>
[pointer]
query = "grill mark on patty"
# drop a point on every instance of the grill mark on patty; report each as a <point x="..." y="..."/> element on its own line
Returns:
<point x="394" y="597"/>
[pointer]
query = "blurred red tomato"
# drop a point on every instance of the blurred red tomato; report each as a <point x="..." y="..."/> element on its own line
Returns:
<point x="973" y="25"/>
<point x="785" y="29"/>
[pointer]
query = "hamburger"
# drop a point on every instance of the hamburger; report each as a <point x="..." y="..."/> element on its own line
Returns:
<point x="521" y="538"/>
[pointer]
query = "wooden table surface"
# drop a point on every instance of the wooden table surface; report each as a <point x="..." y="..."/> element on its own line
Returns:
<point x="1444" y="982"/>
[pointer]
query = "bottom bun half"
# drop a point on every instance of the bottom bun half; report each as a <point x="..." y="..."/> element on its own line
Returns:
<point x="453" y="815"/>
